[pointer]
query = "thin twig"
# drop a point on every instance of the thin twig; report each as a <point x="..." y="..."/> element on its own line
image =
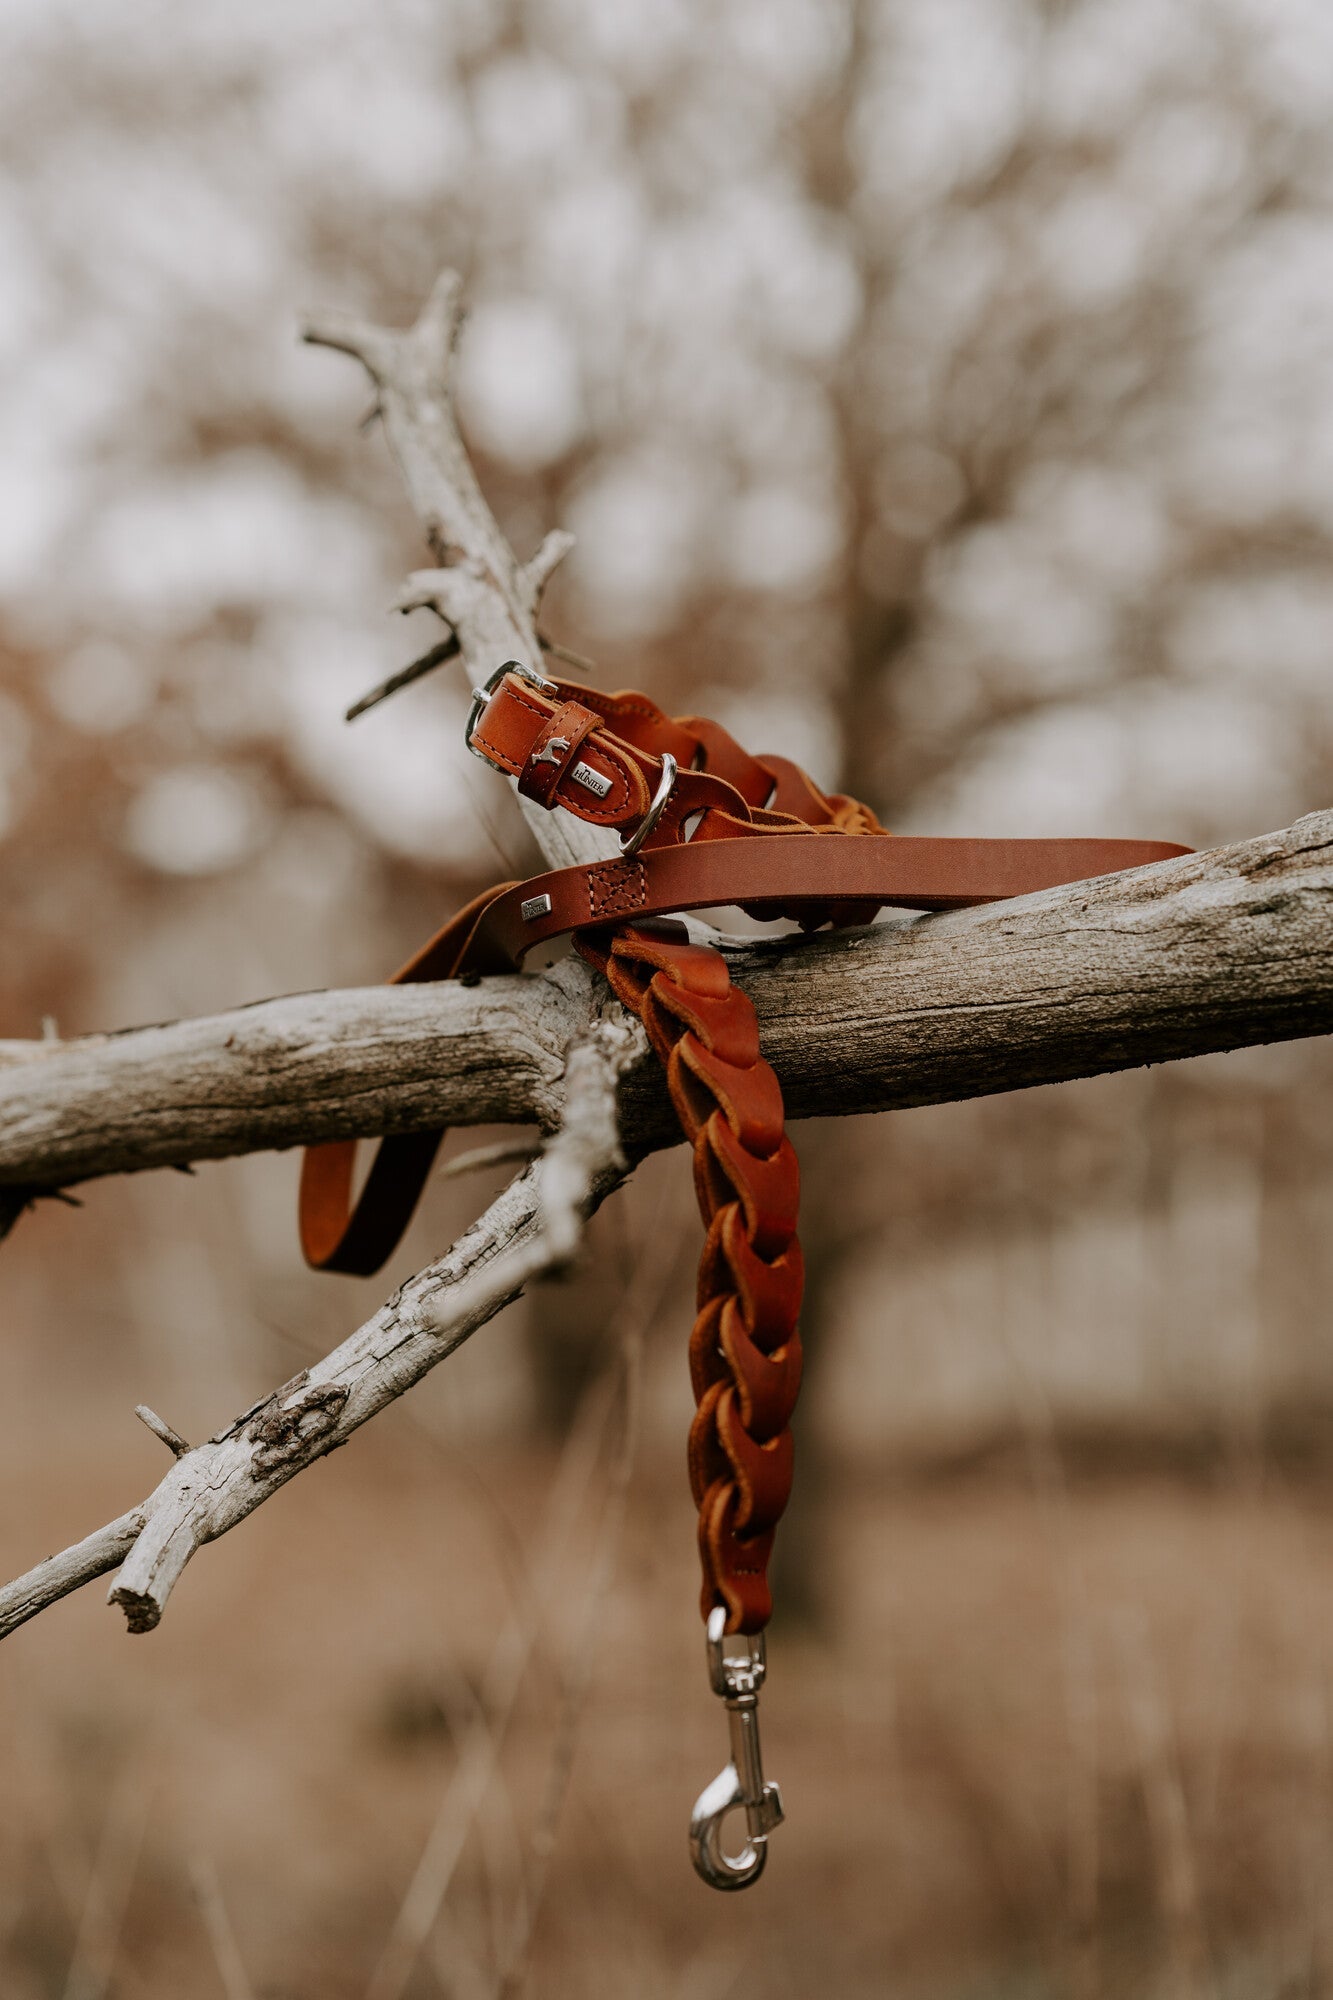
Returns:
<point x="563" y="653"/>
<point x="486" y="596"/>
<point x="447" y="649"/>
<point x="505" y="1153"/>
<point x="173" y="1440"/>
<point x="105" y="1549"/>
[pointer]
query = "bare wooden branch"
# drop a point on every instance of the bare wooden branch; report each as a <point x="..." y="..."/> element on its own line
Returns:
<point x="160" y="1428"/>
<point x="326" y="1065"/>
<point x="539" y="569"/>
<point x="1212" y="951"/>
<point x="532" y="1228"/>
<point x="1209" y="952"/>
<point x="55" y="1578"/>
<point x="479" y="588"/>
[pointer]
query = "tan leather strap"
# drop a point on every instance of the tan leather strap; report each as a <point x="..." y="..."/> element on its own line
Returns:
<point x="740" y="830"/>
<point x="800" y="876"/>
<point x="809" y="876"/>
<point x="338" y="1234"/>
<point x="734" y="829"/>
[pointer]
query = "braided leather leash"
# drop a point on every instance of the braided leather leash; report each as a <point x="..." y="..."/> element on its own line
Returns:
<point x="704" y="824"/>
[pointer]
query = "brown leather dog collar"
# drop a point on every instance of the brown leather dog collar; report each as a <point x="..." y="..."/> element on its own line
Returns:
<point x="704" y="824"/>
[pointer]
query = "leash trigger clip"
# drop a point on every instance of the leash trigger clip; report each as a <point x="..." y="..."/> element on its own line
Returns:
<point x="740" y="1784"/>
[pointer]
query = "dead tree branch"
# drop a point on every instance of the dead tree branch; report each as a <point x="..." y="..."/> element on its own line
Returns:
<point x="532" y="1228"/>
<point x="488" y="600"/>
<point x="1214" y="951"/>
<point x="326" y="1065"/>
<point x="1210" y="952"/>
<point x="485" y="596"/>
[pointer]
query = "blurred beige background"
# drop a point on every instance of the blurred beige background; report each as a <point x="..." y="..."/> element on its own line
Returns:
<point x="940" y="392"/>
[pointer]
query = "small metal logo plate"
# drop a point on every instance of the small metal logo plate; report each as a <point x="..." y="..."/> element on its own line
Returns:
<point x="592" y="781"/>
<point x="536" y="906"/>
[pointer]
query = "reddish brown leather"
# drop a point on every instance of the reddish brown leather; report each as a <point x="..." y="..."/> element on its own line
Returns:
<point x="555" y="751"/>
<point x="738" y="829"/>
<point x="336" y="1233"/>
<point x="509" y="731"/>
<point x="811" y="878"/>
<point x="748" y="1187"/>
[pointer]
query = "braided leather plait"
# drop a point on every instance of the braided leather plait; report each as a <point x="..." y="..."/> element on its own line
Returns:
<point x="745" y="1351"/>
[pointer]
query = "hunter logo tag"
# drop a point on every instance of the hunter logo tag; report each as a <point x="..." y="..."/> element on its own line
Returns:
<point x="592" y="781"/>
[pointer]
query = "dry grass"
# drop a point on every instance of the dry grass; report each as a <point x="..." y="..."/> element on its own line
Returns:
<point x="1075" y="1747"/>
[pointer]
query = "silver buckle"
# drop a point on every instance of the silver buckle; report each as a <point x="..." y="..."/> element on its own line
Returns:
<point x="629" y="848"/>
<point x="481" y="695"/>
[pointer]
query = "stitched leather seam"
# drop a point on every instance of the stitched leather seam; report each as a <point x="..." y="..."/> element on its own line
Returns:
<point x="508" y="762"/>
<point x="608" y="813"/>
<point x="495" y="753"/>
<point x="620" y="706"/>
<point x="628" y="893"/>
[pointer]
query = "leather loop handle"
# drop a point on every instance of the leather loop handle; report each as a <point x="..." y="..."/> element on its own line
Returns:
<point x="338" y="1234"/>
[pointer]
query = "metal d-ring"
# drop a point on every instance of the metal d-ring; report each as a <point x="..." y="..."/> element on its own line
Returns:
<point x="481" y="695"/>
<point x="740" y="1784"/>
<point x="629" y="848"/>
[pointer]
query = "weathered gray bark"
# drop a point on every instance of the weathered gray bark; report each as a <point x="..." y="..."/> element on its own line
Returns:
<point x="1209" y="952"/>
<point x="314" y="1065"/>
<point x="533" y="1227"/>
